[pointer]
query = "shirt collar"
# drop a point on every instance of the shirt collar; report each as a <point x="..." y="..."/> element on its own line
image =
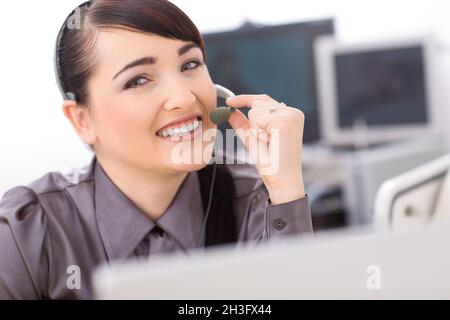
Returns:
<point x="184" y="217"/>
<point x="123" y="226"/>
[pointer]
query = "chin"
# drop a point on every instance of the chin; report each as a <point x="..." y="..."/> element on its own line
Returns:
<point x="190" y="167"/>
<point x="185" y="157"/>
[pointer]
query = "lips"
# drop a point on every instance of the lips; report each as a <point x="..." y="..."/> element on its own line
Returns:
<point x="180" y="121"/>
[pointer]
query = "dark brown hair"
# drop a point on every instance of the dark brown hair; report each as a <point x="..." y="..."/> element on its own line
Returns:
<point x="75" y="63"/>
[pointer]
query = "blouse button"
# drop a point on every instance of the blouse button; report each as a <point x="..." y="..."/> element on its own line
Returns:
<point x="279" y="224"/>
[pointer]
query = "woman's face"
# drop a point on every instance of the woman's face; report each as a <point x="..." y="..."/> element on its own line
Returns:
<point x="143" y="84"/>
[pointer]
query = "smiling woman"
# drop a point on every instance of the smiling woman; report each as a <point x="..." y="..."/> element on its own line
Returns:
<point x="120" y="68"/>
<point x="135" y="85"/>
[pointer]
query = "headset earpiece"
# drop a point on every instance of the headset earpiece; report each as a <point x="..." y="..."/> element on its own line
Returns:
<point x="70" y="96"/>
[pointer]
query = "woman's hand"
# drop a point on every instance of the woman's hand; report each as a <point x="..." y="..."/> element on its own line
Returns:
<point x="274" y="141"/>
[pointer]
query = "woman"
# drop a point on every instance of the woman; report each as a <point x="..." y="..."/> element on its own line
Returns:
<point x="136" y="87"/>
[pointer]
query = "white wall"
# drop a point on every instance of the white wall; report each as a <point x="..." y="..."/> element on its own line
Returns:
<point x="36" y="138"/>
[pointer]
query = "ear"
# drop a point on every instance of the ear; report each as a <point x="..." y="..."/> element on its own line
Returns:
<point x="81" y="121"/>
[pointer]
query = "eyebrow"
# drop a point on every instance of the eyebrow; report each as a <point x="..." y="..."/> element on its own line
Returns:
<point x="152" y="60"/>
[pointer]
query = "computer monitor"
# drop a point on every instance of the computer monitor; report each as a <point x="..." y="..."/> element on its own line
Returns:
<point x="350" y="264"/>
<point x="274" y="60"/>
<point x="377" y="91"/>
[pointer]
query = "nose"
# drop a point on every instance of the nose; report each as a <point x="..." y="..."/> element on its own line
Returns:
<point x="179" y="96"/>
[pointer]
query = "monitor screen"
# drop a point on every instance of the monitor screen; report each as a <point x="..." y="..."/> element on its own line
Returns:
<point x="381" y="87"/>
<point x="273" y="60"/>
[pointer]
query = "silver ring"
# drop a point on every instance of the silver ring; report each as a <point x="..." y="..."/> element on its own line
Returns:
<point x="272" y="109"/>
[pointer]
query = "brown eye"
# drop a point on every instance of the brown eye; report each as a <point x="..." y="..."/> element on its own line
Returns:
<point x="136" y="82"/>
<point x="194" y="63"/>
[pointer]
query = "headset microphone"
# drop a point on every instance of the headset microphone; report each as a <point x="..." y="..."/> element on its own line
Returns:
<point x="222" y="114"/>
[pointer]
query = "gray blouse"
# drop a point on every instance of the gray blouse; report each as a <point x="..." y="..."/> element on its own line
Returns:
<point x="82" y="219"/>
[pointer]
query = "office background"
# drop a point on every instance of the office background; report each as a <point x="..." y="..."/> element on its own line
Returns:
<point x="35" y="136"/>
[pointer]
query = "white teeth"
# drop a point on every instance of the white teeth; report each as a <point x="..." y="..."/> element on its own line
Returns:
<point x="172" y="132"/>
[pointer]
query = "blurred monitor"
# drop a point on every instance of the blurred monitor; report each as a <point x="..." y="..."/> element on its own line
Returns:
<point x="274" y="60"/>
<point x="376" y="92"/>
<point x="349" y="264"/>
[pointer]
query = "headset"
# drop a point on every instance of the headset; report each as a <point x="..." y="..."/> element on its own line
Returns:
<point x="221" y="115"/>
<point x="218" y="116"/>
<point x="67" y="95"/>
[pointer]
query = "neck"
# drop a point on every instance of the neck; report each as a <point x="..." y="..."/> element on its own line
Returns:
<point x="152" y="192"/>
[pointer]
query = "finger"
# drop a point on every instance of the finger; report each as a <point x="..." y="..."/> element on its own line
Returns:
<point x="241" y="125"/>
<point x="238" y="120"/>
<point x="262" y="108"/>
<point x="263" y="136"/>
<point x="266" y="121"/>
<point x="247" y="100"/>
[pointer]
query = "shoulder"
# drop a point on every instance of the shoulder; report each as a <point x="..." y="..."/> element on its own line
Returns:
<point x="45" y="227"/>
<point x="54" y="182"/>
<point x="30" y="216"/>
<point x="25" y="203"/>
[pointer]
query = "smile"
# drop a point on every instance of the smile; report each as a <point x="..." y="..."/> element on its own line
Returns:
<point x="181" y="129"/>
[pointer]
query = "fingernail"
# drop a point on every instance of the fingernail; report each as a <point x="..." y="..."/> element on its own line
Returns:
<point x="230" y="98"/>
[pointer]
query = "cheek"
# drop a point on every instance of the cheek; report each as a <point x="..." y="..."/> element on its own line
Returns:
<point x="125" y="120"/>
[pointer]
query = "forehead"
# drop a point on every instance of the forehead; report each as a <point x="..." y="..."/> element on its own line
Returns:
<point x="115" y="47"/>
